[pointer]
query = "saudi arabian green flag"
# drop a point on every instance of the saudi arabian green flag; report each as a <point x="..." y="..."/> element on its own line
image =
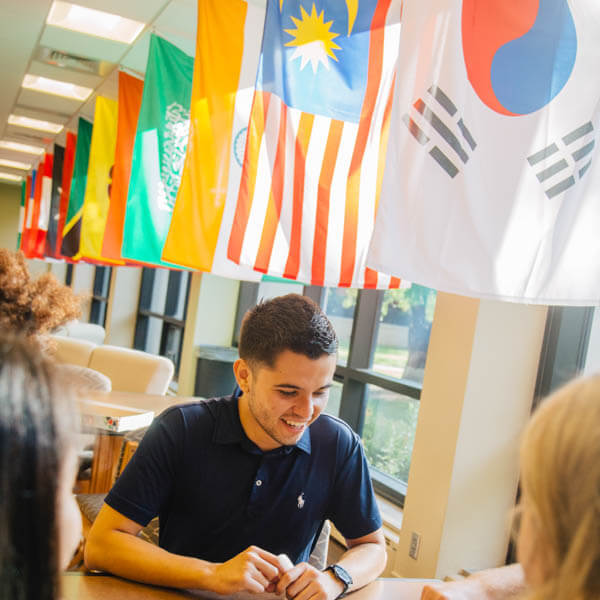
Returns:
<point x="158" y="152"/>
<point x="72" y="229"/>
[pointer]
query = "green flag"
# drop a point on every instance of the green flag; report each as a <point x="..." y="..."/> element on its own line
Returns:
<point x="158" y="153"/>
<point x="21" y="214"/>
<point x="72" y="229"/>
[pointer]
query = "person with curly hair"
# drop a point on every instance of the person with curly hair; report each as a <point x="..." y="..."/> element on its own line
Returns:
<point x="32" y="307"/>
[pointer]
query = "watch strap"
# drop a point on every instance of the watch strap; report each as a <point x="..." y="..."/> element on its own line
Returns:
<point x="341" y="575"/>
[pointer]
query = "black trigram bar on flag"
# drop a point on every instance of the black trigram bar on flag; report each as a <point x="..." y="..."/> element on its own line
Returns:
<point x="562" y="163"/>
<point x="450" y="141"/>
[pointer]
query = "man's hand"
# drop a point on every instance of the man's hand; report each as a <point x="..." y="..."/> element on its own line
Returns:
<point x="304" y="581"/>
<point x="253" y="570"/>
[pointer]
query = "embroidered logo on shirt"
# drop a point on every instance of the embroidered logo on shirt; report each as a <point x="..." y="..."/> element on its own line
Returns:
<point x="301" y="500"/>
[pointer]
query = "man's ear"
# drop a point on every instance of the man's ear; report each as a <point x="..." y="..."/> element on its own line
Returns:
<point x="243" y="374"/>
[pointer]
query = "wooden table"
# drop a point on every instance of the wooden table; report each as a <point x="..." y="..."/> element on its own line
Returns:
<point x="107" y="446"/>
<point x="83" y="586"/>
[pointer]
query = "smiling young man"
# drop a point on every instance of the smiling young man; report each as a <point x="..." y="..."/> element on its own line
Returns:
<point x="241" y="480"/>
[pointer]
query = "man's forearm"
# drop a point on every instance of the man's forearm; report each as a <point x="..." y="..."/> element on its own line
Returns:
<point x="128" y="556"/>
<point x="364" y="562"/>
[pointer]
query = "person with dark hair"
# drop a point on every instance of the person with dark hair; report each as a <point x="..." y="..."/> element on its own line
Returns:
<point x="238" y="482"/>
<point x="40" y="524"/>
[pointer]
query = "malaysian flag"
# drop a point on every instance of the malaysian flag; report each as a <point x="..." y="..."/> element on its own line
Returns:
<point x="316" y="141"/>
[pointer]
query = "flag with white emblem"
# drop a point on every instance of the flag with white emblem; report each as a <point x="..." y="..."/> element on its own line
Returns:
<point x="492" y="181"/>
<point x="316" y="141"/>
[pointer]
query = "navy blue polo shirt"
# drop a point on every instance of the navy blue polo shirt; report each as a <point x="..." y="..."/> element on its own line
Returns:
<point x="216" y="492"/>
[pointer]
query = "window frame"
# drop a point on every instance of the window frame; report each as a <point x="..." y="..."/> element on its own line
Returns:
<point x="357" y="373"/>
<point x="144" y="313"/>
<point x="99" y="304"/>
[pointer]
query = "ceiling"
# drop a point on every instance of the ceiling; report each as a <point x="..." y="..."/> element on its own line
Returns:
<point x="29" y="45"/>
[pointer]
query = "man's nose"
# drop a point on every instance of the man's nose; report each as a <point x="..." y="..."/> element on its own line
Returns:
<point x="305" y="406"/>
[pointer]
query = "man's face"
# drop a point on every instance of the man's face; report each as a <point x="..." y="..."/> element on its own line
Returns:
<point x="281" y="401"/>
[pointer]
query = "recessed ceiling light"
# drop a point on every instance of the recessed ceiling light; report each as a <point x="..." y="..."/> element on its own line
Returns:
<point x="14" y="164"/>
<point x="21" y="147"/>
<point x="93" y="22"/>
<point x="20" y="121"/>
<point x="57" y="88"/>
<point x="10" y="177"/>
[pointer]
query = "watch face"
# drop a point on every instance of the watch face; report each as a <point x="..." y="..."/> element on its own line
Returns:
<point x="342" y="575"/>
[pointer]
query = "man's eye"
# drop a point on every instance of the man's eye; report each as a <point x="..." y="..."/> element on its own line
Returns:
<point x="287" y="392"/>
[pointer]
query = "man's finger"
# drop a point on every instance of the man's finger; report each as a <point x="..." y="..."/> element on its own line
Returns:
<point x="301" y="583"/>
<point x="290" y="576"/>
<point x="269" y="570"/>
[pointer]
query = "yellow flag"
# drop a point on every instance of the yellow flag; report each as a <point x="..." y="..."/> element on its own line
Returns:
<point x="97" y="197"/>
<point x="227" y="54"/>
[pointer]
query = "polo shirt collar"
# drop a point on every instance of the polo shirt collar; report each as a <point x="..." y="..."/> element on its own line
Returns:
<point x="229" y="430"/>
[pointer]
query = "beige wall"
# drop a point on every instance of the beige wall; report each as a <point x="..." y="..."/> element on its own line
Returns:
<point x="477" y="392"/>
<point x="122" y="306"/>
<point x="10" y="203"/>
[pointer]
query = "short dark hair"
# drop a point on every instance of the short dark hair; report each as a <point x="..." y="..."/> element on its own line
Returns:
<point x="292" y="322"/>
<point x="33" y="441"/>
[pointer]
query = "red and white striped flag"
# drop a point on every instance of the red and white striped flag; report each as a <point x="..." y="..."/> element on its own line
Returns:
<point x="316" y="142"/>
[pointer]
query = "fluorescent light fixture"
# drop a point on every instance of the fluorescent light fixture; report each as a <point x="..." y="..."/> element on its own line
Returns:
<point x="57" y="88"/>
<point x="10" y="177"/>
<point x="14" y="164"/>
<point x="93" y="22"/>
<point x="21" y="147"/>
<point x="20" y="121"/>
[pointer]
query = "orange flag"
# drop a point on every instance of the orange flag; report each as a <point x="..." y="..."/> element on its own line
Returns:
<point x="130" y="101"/>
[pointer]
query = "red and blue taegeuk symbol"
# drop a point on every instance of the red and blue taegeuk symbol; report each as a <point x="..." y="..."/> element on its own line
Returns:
<point x="519" y="54"/>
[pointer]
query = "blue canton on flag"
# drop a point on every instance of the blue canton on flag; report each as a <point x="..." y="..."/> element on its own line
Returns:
<point x="315" y="55"/>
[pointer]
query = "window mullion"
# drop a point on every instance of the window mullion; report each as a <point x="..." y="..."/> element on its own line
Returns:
<point x="362" y="347"/>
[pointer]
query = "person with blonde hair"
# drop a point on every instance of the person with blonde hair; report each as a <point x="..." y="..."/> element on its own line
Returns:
<point x="559" y="539"/>
<point x="558" y="544"/>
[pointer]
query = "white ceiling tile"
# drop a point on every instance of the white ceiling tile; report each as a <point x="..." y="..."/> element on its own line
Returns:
<point x="82" y="45"/>
<point x="137" y="57"/>
<point x="48" y="102"/>
<point x="139" y="10"/>
<point x="52" y="72"/>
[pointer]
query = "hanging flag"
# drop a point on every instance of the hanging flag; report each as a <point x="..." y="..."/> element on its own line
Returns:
<point x="57" y="171"/>
<point x="72" y="228"/>
<point x="130" y="101"/>
<point x="159" y="150"/>
<point x="96" y="200"/>
<point x="227" y="52"/>
<point x="31" y="245"/>
<point x="316" y="138"/>
<point x="28" y="221"/>
<point x="67" y="175"/>
<point x="24" y="189"/>
<point x="492" y="181"/>
<point x="45" y="200"/>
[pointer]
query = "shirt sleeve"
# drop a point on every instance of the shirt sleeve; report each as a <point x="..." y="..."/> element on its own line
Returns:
<point x="353" y="508"/>
<point x="146" y="483"/>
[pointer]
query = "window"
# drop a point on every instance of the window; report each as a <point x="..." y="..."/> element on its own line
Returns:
<point x="383" y="343"/>
<point x="69" y="275"/>
<point x="380" y="369"/>
<point x="102" y="277"/>
<point x="161" y="313"/>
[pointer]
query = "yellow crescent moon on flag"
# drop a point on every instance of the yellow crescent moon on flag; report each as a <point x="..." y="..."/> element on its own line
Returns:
<point x="352" y="6"/>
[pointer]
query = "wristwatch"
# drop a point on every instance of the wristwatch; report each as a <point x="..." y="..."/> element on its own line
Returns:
<point x="341" y="575"/>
